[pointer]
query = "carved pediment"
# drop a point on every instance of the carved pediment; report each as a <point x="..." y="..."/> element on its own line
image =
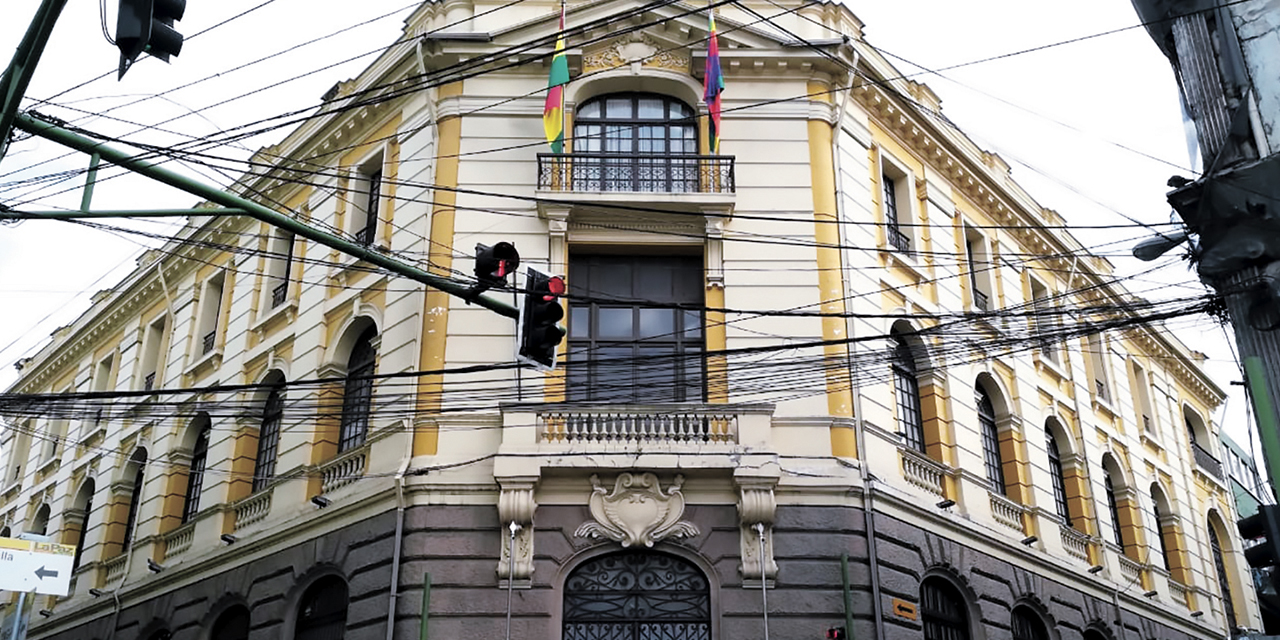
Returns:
<point x="635" y="47"/>
<point x="637" y="512"/>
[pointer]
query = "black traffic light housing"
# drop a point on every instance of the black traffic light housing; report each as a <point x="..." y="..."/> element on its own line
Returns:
<point x="147" y="26"/>
<point x="493" y="264"/>
<point x="1264" y="524"/>
<point x="540" y="315"/>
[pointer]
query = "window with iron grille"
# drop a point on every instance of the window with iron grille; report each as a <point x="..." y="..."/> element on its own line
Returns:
<point x="1059" y="479"/>
<point x="233" y="624"/>
<point x="990" y="442"/>
<point x="322" y="611"/>
<point x="627" y="344"/>
<point x="635" y="142"/>
<point x="942" y="611"/>
<point x="1114" y="509"/>
<point x="264" y="466"/>
<point x="906" y="386"/>
<point x="637" y="595"/>
<point x="1224" y="584"/>
<point x="1026" y="625"/>
<point x="195" y="473"/>
<point x="358" y="392"/>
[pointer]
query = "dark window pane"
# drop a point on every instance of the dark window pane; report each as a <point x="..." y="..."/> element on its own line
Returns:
<point x="264" y="468"/>
<point x="907" y="390"/>
<point x="614" y="324"/>
<point x="942" y="611"/>
<point x="1027" y="625"/>
<point x="579" y="322"/>
<point x="322" y="611"/>
<point x="358" y="392"/>
<point x="657" y="323"/>
<point x="195" y="474"/>
<point x="1059" y="480"/>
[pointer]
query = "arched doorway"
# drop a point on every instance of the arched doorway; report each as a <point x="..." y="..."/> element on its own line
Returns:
<point x="943" y="610"/>
<point x="637" y="595"/>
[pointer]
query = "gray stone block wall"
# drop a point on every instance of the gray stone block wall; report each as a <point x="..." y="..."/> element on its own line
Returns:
<point x="460" y="547"/>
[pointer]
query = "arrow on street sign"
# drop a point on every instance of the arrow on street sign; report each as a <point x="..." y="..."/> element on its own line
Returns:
<point x="42" y="567"/>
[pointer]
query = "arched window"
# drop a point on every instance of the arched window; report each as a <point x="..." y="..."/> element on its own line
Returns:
<point x="636" y="595"/>
<point x="84" y="504"/>
<point x="634" y="142"/>
<point x="1157" y="497"/>
<point x="990" y="442"/>
<point x="40" y="523"/>
<point x="264" y="466"/>
<point x="1114" y="509"/>
<point x="942" y="610"/>
<point x="195" y="474"/>
<point x="1094" y="634"/>
<point x="1027" y="625"/>
<point x="139" y="463"/>
<point x="1224" y="583"/>
<point x="322" y="611"/>
<point x="906" y="387"/>
<point x="1058" y="477"/>
<point x="232" y="624"/>
<point x="358" y="392"/>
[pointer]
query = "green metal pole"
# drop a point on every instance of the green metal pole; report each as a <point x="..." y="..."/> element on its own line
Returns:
<point x="426" y="606"/>
<point x="848" y="596"/>
<point x="121" y="213"/>
<point x="89" y="181"/>
<point x="57" y="134"/>
<point x="1255" y="375"/>
<point x="13" y="86"/>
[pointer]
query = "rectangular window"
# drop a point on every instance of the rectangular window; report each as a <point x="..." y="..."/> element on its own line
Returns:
<point x="365" y="200"/>
<point x="154" y="345"/>
<point x="210" y="310"/>
<point x="279" y="268"/>
<point x="1044" y="319"/>
<point x="21" y="452"/>
<point x="1095" y="346"/>
<point x="1141" y="387"/>
<point x="56" y="433"/>
<point x="891" y="200"/>
<point x="980" y="266"/>
<point x="628" y="344"/>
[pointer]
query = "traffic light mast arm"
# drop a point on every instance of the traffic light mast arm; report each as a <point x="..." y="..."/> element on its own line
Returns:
<point x="78" y="142"/>
<point x="17" y="76"/>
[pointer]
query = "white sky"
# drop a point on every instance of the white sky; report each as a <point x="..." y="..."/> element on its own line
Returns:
<point x="1060" y="115"/>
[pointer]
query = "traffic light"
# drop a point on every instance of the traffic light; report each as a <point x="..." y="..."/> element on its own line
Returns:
<point x="493" y="264"/>
<point x="147" y="25"/>
<point x="540" y="314"/>
<point x="835" y="633"/>
<point x="1264" y="524"/>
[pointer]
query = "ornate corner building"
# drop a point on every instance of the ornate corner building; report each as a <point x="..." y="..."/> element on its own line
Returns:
<point x="847" y="334"/>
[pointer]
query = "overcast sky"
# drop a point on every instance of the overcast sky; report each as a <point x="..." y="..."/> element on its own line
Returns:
<point x="1092" y="127"/>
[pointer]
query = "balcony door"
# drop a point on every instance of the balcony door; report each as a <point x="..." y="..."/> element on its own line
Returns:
<point x="626" y="342"/>
<point x="642" y="142"/>
<point x="637" y="595"/>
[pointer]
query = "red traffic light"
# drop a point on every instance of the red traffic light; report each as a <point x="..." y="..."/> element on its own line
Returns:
<point x="556" y="287"/>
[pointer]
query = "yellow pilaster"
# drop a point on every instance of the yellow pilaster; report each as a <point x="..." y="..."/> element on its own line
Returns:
<point x="435" y="311"/>
<point x="717" y="342"/>
<point x="830" y="276"/>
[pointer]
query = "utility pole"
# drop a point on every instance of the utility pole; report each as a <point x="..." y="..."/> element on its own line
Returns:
<point x="1226" y="58"/>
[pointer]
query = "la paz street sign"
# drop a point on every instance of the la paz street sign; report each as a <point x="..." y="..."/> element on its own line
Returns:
<point x="42" y="567"/>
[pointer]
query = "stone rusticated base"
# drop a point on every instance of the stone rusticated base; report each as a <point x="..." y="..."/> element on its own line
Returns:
<point x="459" y="547"/>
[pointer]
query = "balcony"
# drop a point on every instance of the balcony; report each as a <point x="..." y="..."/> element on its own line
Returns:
<point x="635" y="173"/>
<point x="1207" y="462"/>
<point x="922" y="472"/>
<point x="1075" y="543"/>
<point x="278" y="294"/>
<point x="899" y="240"/>
<point x="980" y="301"/>
<point x="676" y="435"/>
<point x="207" y="344"/>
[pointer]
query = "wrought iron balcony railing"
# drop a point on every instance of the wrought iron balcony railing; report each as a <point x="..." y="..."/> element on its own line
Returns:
<point x="1206" y="461"/>
<point x="638" y="172"/>
<point x="899" y="240"/>
<point x="278" y="293"/>
<point x="209" y="340"/>
<point x="980" y="301"/>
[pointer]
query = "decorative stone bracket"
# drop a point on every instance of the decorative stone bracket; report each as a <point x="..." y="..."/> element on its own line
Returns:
<point x="756" y="511"/>
<point x="515" y="513"/>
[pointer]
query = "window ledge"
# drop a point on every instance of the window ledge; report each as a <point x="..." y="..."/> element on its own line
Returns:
<point x="98" y="432"/>
<point x="48" y="466"/>
<point x="212" y="359"/>
<point x="287" y="309"/>
<point x="13" y="488"/>
<point x="1047" y="364"/>
<point x="1146" y="438"/>
<point x="1104" y="405"/>
<point x="907" y="261"/>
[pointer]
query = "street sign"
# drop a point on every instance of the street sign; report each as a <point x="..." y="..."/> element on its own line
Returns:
<point x="42" y="567"/>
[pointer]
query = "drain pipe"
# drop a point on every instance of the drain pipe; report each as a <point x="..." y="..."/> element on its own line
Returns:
<point x="764" y="589"/>
<point x="511" y="570"/>
<point x="394" y="598"/>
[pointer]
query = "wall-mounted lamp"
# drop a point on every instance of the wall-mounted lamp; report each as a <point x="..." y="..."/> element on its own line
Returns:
<point x="97" y="593"/>
<point x="320" y="501"/>
<point x="229" y="539"/>
<point x="46" y="613"/>
<point x="1196" y="614"/>
<point x="946" y="504"/>
<point x="154" y="566"/>
<point x="1096" y="569"/>
<point x="1151" y="594"/>
<point x="1030" y="540"/>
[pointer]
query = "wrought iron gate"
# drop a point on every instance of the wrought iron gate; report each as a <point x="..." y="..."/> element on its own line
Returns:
<point x="637" y="595"/>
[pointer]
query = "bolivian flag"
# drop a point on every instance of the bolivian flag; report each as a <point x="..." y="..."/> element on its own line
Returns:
<point x="714" y="85"/>
<point x="553" y="112"/>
